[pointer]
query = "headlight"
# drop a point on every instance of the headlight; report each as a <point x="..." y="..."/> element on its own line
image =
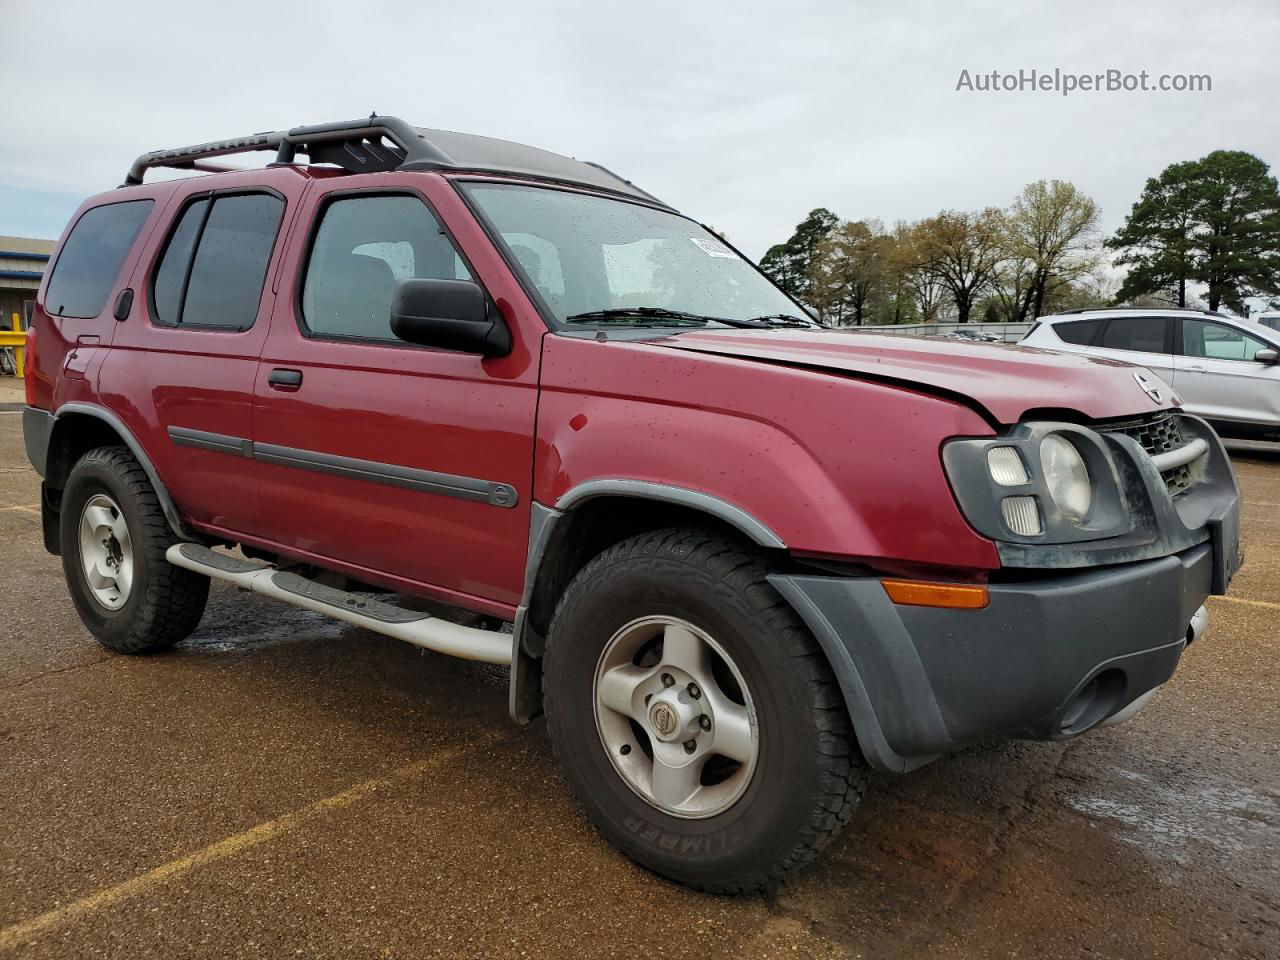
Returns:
<point x="1066" y="476"/>
<point x="1044" y="483"/>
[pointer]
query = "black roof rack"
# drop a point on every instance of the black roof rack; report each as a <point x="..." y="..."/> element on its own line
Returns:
<point x="1208" y="313"/>
<point x="388" y="143"/>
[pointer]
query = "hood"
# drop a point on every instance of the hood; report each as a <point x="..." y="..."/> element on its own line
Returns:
<point x="1005" y="380"/>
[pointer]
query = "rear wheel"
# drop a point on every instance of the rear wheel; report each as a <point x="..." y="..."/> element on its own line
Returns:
<point x="114" y="536"/>
<point x="695" y="716"/>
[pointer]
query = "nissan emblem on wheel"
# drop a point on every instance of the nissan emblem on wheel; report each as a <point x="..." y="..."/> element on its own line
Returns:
<point x="402" y="362"/>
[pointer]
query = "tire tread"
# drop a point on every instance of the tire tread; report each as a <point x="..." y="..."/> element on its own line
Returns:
<point x="843" y="774"/>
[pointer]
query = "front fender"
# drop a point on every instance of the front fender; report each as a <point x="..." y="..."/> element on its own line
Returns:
<point x="828" y="464"/>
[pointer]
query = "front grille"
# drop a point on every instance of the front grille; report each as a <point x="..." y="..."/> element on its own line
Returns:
<point x="1160" y="434"/>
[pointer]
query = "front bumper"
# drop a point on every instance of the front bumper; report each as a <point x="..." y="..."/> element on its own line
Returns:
<point x="1046" y="659"/>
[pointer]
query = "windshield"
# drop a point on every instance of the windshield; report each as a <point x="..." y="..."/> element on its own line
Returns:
<point x="587" y="254"/>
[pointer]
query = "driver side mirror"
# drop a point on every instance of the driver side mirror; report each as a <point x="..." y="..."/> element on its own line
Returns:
<point x="1267" y="356"/>
<point x="450" y="315"/>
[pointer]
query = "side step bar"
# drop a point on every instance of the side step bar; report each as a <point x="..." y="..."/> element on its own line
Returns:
<point x="420" y="629"/>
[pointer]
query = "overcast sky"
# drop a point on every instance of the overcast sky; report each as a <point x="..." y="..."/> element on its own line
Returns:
<point x="743" y="114"/>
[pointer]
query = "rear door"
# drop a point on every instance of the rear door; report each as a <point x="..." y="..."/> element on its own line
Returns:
<point x="1218" y="377"/>
<point x="401" y="464"/>
<point x="1147" y="341"/>
<point x="182" y="364"/>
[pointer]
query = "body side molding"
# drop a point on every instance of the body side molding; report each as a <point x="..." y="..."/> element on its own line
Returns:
<point x="428" y="481"/>
<point x="217" y="442"/>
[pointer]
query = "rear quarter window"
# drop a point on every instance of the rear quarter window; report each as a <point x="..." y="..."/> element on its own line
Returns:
<point x="92" y="256"/>
<point x="1079" y="332"/>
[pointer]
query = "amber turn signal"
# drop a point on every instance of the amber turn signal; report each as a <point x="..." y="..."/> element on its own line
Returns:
<point x="922" y="593"/>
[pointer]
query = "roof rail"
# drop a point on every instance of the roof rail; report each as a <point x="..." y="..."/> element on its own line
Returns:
<point x="379" y="143"/>
<point x="1209" y="313"/>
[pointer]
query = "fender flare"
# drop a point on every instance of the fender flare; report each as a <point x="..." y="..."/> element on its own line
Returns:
<point x="525" y="687"/>
<point x="524" y="693"/>
<point x="735" y="516"/>
<point x="167" y="505"/>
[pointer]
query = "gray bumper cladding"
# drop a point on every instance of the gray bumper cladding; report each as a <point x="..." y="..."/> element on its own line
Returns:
<point x="1046" y="659"/>
<point x="37" y="426"/>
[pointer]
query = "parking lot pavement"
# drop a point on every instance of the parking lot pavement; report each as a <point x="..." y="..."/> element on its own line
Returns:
<point x="282" y="785"/>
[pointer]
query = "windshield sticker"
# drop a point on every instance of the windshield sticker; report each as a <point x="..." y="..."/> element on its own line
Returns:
<point x="712" y="249"/>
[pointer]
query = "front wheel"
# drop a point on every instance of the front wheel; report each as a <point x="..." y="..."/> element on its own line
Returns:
<point x="694" y="715"/>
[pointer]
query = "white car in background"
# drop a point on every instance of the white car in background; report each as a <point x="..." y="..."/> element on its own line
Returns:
<point x="1270" y="319"/>
<point x="1226" y="369"/>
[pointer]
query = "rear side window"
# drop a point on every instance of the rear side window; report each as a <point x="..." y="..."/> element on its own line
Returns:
<point x="364" y="246"/>
<point x="92" y="257"/>
<point x="1077" y="331"/>
<point x="214" y="265"/>
<point x="172" y="274"/>
<point x="1143" y="334"/>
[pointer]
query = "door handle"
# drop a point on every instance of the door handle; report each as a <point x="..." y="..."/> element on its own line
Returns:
<point x="124" y="303"/>
<point x="1196" y="369"/>
<point x="283" y="379"/>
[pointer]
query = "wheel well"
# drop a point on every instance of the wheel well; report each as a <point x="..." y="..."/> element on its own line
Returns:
<point x="73" y="436"/>
<point x="595" y="525"/>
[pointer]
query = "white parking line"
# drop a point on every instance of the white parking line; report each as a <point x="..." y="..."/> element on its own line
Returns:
<point x="29" y="930"/>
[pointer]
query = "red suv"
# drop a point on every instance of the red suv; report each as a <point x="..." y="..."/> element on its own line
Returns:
<point x="737" y="558"/>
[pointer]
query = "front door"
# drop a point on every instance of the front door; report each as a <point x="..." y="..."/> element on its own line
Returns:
<point x="406" y="465"/>
<point x="1219" y="377"/>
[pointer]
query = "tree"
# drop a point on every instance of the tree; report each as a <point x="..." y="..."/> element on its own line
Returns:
<point x="788" y="263"/>
<point x="1213" y="221"/>
<point x="848" y="271"/>
<point x="1012" y="289"/>
<point x="1051" y="241"/>
<point x="927" y="290"/>
<point x="1239" y="207"/>
<point x="1155" y="241"/>
<point x="962" y="251"/>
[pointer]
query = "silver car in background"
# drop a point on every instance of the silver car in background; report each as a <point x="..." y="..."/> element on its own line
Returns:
<point x="1226" y="369"/>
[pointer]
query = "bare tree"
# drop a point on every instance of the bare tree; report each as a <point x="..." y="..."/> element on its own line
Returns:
<point x="962" y="251"/>
<point x="1052" y="238"/>
<point x="928" y="291"/>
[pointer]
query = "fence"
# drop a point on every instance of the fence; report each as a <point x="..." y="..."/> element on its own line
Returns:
<point x="1008" y="332"/>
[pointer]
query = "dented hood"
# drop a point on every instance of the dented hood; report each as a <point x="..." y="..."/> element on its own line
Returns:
<point x="1004" y="379"/>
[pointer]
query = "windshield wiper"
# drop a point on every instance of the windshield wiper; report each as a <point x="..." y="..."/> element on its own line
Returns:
<point x="648" y="315"/>
<point x="681" y="318"/>
<point x="781" y="320"/>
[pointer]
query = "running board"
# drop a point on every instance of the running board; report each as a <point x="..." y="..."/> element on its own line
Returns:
<point x="420" y="629"/>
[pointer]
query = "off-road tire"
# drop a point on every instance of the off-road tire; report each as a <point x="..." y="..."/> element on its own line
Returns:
<point x="165" y="602"/>
<point x="810" y="774"/>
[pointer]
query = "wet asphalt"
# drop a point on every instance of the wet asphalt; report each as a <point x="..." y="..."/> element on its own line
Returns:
<point x="281" y="785"/>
